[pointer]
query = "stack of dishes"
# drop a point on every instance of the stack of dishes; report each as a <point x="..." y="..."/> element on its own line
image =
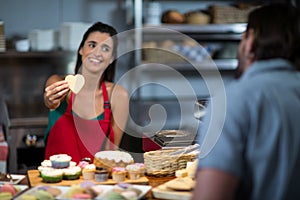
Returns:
<point x="2" y="37"/>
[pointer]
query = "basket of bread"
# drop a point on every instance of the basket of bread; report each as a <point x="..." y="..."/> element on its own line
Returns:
<point x="165" y="162"/>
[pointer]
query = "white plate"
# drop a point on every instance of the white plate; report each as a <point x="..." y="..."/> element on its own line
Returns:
<point x="106" y="188"/>
<point x="16" y="179"/>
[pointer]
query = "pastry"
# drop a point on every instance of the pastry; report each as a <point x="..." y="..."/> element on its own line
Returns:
<point x="123" y="191"/>
<point x="135" y="171"/>
<point x="118" y="174"/>
<point x="192" y="168"/>
<point x="52" y="175"/>
<point x="88" y="172"/>
<point x="181" y="173"/>
<point x="52" y="190"/>
<point x="110" y="159"/>
<point x="185" y="183"/>
<point x="8" y="188"/>
<point x="75" y="82"/>
<point x="197" y="17"/>
<point x="172" y="17"/>
<point x="101" y="174"/>
<point x="71" y="173"/>
<point x="60" y="161"/>
<point x="88" y="190"/>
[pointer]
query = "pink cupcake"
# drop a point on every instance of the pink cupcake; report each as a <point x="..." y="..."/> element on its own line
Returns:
<point x="118" y="174"/>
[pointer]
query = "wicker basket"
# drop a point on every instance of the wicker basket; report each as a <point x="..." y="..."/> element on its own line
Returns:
<point x="161" y="163"/>
<point x="229" y="14"/>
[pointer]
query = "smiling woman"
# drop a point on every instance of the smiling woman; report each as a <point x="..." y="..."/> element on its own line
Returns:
<point x="83" y="123"/>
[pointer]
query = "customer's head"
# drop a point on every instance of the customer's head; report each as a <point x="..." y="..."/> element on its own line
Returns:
<point x="108" y="74"/>
<point x="275" y="33"/>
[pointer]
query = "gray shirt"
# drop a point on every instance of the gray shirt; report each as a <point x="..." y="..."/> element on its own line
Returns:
<point x="260" y="139"/>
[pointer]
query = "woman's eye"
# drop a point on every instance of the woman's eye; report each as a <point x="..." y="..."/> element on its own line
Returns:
<point x="92" y="45"/>
<point x="105" y="48"/>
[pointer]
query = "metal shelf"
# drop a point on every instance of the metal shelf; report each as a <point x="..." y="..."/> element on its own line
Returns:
<point x="221" y="64"/>
<point x="199" y="29"/>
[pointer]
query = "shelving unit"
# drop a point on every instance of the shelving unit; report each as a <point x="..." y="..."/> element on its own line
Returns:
<point x="157" y="75"/>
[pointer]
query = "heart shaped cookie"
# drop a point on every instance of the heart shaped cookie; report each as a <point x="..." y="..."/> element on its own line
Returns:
<point x="75" y="82"/>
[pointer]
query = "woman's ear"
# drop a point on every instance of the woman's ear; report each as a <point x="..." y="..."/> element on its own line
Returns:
<point x="80" y="51"/>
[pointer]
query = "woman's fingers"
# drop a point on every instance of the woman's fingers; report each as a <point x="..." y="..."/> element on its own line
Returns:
<point x="56" y="91"/>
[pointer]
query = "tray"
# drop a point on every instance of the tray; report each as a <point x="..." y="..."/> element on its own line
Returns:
<point x="106" y="188"/>
<point x="35" y="180"/>
<point x="16" y="178"/>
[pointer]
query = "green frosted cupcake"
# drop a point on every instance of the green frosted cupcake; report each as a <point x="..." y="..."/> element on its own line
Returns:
<point x="52" y="175"/>
<point x="71" y="173"/>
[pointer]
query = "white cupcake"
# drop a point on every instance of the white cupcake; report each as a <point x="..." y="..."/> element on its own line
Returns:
<point x="88" y="172"/>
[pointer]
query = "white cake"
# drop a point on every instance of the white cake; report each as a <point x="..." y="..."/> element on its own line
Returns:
<point x="110" y="159"/>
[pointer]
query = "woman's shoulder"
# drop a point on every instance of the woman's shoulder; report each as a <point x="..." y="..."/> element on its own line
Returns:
<point x="116" y="90"/>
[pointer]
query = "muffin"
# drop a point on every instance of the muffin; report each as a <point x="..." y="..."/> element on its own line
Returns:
<point x="52" y="175"/>
<point x="101" y="174"/>
<point x="133" y="171"/>
<point x="118" y="174"/>
<point x="71" y="173"/>
<point x="60" y="161"/>
<point x="88" y="172"/>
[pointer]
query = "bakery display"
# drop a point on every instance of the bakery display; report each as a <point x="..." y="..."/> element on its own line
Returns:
<point x="110" y="159"/>
<point x="85" y="171"/>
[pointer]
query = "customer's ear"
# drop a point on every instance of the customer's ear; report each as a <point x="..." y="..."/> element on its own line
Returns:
<point x="249" y="44"/>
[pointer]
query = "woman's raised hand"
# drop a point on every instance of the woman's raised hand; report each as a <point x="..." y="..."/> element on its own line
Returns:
<point x="55" y="93"/>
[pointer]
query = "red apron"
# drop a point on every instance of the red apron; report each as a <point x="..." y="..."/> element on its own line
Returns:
<point x="78" y="137"/>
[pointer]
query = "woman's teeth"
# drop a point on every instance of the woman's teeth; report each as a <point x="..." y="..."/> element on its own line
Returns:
<point x="94" y="60"/>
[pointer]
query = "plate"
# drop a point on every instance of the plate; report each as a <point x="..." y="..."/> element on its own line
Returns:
<point x="16" y="178"/>
<point x="106" y="188"/>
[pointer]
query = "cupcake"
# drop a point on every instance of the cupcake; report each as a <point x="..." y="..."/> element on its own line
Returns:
<point x="46" y="163"/>
<point x="82" y="164"/>
<point x="71" y="173"/>
<point x="133" y="171"/>
<point x="118" y="174"/>
<point x="142" y="168"/>
<point x="60" y="161"/>
<point x="52" y="175"/>
<point x="101" y="174"/>
<point x="88" y="172"/>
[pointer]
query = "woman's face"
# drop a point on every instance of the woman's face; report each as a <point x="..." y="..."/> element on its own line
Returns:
<point x="97" y="52"/>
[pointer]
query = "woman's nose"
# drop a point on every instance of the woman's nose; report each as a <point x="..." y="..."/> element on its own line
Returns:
<point x="97" y="50"/>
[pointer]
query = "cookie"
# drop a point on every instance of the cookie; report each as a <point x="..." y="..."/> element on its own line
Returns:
<point x="75" y="82"/>
<point x="185" y="183"/>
